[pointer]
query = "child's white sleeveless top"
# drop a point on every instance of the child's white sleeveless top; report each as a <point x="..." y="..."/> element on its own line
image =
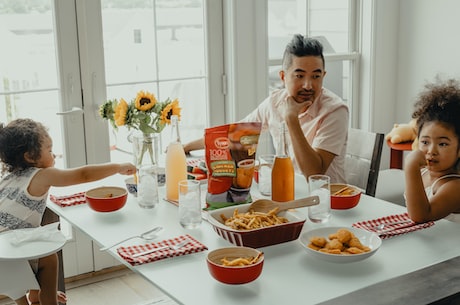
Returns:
<point x="455" y="217"/>
<point x="19" y="209"/>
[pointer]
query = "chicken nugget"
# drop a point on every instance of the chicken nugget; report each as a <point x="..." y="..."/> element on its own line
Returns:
<point x="344" y="235"/>
<point x="318" y="241"/>
<point x="333" y="236"/>
<point x="355" y="242"/>
<point x="313" y="246"/>
<point x="354" y="250"/>
<point x="334" y="244"/>
<point x="334" y="251"/>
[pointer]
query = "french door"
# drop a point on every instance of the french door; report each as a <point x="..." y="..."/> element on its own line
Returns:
<point x="63" y="58"/>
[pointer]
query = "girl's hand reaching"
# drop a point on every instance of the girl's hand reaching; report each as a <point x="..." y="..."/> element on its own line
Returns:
<point x="127" y="169"/>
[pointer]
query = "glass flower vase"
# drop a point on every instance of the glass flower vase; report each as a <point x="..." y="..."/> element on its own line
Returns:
<point x="145" y="149"/>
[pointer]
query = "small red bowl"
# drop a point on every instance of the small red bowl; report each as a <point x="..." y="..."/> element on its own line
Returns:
<point x="234" y="274"/>
<point x="106" y="198"/>
<point x="347" y="200"/>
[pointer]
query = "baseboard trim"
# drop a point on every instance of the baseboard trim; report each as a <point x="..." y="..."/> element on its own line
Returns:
<point x="95" y="276"/>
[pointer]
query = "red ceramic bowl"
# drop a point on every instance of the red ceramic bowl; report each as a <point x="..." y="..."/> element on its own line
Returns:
<point x="106" y="198"/>
<point x="234" y="274"/>
<point x="347" y="199"/>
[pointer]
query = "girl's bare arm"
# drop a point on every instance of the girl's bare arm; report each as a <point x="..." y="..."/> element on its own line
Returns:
<point x="51" y="176"/>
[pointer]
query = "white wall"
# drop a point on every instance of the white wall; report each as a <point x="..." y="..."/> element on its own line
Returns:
<point x="429" y="44"/>
<point x="412" y="41"/>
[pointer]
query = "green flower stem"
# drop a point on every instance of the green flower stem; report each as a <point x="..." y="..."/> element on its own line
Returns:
<point x="147" y="145"/>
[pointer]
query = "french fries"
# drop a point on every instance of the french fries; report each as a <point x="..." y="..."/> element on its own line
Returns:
<point x="241" y="261"/>
<point x="253" y="220"/>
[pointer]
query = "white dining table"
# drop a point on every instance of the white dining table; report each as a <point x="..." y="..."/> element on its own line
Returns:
<point x="289" y="275"/>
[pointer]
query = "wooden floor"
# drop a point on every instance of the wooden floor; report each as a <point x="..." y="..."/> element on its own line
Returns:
<point x="120" y="287"/>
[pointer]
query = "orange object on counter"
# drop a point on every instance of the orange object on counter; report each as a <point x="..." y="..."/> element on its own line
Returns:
<point x="282" y="172"/>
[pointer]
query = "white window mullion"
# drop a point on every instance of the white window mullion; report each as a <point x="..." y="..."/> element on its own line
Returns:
<point x="91" y="52"/>
<point x="69" y="79"/>
<point x="246" y="57"/>
<point x="215" y="62"/>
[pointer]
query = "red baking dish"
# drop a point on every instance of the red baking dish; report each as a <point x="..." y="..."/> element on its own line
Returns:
<point x="258" y="237"/>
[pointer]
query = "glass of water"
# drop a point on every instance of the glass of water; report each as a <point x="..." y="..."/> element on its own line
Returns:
<point x="189" y="204"/>
<point x="319" y="185"/>
<point x="265" y="174"/>
<point x="147" y="186"/>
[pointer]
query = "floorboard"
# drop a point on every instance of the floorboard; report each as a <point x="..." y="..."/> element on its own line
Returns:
<point x="121" y="287"/>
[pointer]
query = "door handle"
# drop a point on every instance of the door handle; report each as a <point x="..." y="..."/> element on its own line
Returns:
<point x="74" y="110"/>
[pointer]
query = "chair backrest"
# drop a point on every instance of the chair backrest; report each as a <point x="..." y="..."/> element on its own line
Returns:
<point x="362" y="161"/>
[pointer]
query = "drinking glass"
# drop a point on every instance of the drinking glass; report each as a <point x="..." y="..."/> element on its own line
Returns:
<point x="147" y="186"/>
<point x="265" y="174"/>
<point x="189" y="204"/>
<point x="319" y="185"/>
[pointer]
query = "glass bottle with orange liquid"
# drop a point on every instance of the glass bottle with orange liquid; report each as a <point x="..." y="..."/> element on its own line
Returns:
<point x="176" y="163"/>
<point x="282" y="171"/>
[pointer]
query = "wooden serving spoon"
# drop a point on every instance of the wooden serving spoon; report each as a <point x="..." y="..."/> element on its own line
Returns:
<point x="266" y="205"/>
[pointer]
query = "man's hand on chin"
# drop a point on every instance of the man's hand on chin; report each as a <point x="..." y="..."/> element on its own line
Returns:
<point x="294" y="107"/>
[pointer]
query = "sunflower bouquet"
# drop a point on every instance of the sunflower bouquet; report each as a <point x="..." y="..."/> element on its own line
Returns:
<point x="144" y="113"/>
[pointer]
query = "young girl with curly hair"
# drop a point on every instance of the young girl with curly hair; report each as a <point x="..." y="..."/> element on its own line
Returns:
<point x="432" y="172"/>
<point x="28" y="164"/>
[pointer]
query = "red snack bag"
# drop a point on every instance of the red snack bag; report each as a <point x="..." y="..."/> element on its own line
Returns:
<point x="230" y="159"/>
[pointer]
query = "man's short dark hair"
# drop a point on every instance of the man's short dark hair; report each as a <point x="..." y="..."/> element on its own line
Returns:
<point x="301" y="46"/>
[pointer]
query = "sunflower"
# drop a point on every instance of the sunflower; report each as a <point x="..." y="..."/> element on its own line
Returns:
<point x="106" y="110"/>
<point x="120" y="113"/>
<point x="145" y="101"/>
<point x="170" y="109"/>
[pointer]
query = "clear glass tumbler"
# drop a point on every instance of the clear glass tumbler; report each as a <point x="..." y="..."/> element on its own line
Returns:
<point x="265" y="174"/>
<point x="147" y="186"/>
<point x="319" y="185"/>
<point x="189" y="204"/>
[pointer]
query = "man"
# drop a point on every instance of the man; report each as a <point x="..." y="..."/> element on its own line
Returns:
<point x="316" y="118"/>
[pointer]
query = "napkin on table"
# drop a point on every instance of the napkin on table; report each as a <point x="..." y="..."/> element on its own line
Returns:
<point x="48" y="232"/>
<point x="69" y="200"/>
<point x="192" y="247"/>
<point x="394" y="229"/>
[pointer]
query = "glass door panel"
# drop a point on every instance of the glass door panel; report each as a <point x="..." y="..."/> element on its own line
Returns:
<point x="159" y="47"/>
<point x="28" y="70"/>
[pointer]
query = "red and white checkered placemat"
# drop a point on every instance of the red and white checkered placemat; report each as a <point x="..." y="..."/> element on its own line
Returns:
<point x="192" y="247"/>
<point x="194" y="162"/>
<point x="392" y="229"/>
<point x="69" y="200"/>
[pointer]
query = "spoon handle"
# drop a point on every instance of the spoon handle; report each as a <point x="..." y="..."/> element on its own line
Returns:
<point x="299" y="203"/>
<point x="117" y="243"/>
<point x="143" y="235"/>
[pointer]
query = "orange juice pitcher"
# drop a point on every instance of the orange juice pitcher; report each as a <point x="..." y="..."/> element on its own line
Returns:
<point x="282" y="172"/>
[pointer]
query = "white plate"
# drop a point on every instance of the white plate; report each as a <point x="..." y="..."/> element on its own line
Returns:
<point x="26" y="250"/>
<point x="367" y="238"/>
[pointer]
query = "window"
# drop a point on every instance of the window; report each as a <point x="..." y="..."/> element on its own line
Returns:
<point x="330" y="21"/>
<point x="28" y="72"/>
<point x="166" y="58"/>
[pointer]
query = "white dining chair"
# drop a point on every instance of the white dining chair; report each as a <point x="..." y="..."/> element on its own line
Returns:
<point x="362" y="160"/>
<point x="391" y="186"/>
<point x="17" y="247"/>
<point x="16" y="278"/>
